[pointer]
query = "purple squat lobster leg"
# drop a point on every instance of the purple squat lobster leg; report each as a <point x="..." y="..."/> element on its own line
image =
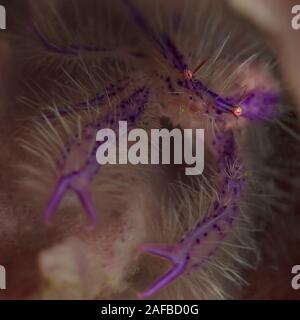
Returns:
<point x="202" y="242"/>
<point x="78" y="181"/>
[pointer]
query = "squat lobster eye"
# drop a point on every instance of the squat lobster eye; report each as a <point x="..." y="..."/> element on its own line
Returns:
<point x="188" y="74"/>
<point x="237" y="111"/>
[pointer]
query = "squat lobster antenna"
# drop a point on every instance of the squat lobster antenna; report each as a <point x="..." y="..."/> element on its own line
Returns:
<point x="200" y="66"/>
<point x="188" y="74"/>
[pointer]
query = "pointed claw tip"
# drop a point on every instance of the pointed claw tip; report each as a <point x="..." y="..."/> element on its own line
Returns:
<point x="92" y="225"/>
<point x="140" y="295"/>
<point x="144" y="248"/>
<point x="46" y="221"/>
<point x="46" y="217"/>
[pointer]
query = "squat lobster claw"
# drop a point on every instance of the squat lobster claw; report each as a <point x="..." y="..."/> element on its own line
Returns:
<point x="69" y="183"/>
<point x="179" y="264"/>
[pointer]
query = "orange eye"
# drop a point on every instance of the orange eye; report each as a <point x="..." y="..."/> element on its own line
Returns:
<point x="238" y="111"/>
<point x="188" y="74"/>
